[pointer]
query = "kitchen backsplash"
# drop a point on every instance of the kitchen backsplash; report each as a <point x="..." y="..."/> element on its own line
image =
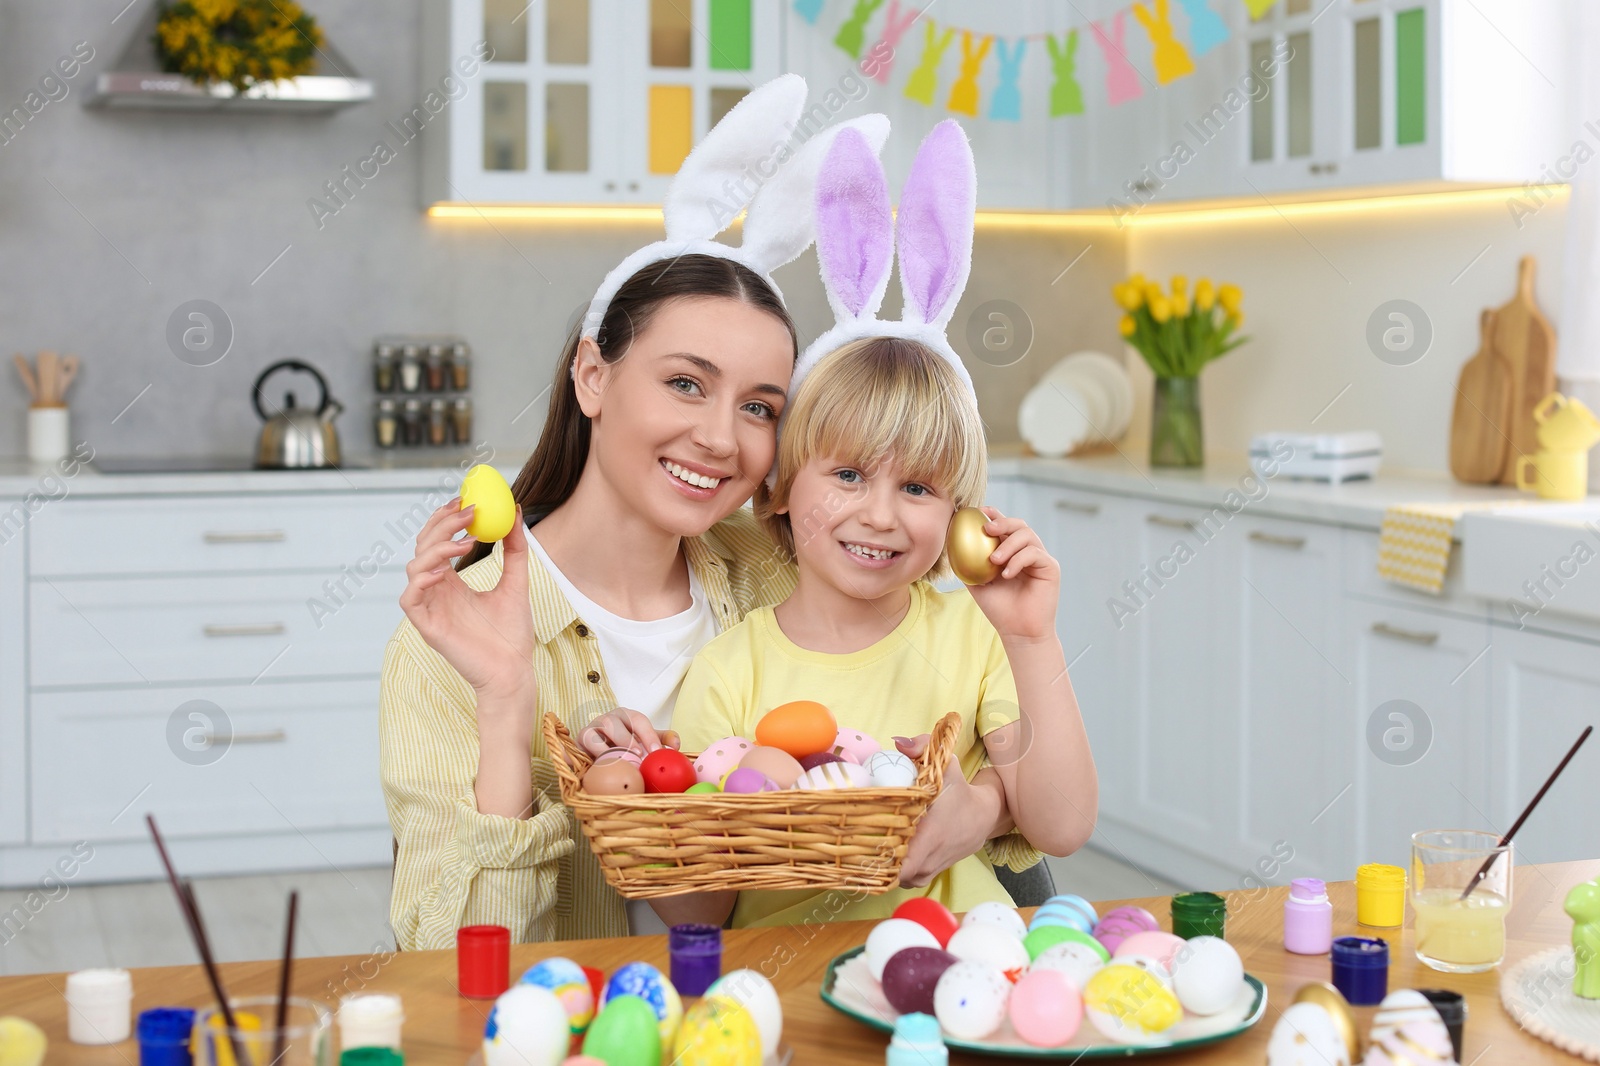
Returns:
<point x="113" y="222"/>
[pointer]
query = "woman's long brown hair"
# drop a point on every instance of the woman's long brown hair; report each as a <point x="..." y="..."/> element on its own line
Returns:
<point x="551" y="473"/>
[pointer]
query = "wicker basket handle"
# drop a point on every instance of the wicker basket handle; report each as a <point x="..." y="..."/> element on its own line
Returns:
<point x="941" y="745"/>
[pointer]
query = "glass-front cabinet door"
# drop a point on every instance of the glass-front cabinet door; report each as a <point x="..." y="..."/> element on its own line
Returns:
<point x="591" y="101"/>
<point x="1287" y="138"/>
<point x="1388" y="92"/>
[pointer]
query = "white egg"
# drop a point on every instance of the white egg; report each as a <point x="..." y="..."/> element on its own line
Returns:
<point x="991" y="946"/>
<point x="1306" y="1035"/>
<point x="970" y="1000"/>
<point x="892" y="935"/>
<point x="1405" y="1017"/>
<point x="997" y="914"/>
<point x="1076" y="962"/>
<point x="755" y="994"/>
<point x="1207" y="974"/>
<point x="891" y="769"/>
<point x="1399" y="1007"/>
<point x="527" y="1027"/>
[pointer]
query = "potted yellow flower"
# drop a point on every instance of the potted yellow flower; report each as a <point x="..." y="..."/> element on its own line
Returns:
<point x="1177" y="337"/>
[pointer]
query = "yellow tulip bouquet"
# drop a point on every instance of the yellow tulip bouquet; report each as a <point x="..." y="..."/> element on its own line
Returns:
<point x="1178" y="336"/>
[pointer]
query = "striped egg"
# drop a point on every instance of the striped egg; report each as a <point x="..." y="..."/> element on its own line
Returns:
<point x="1074" y="912"/>
<point x="1407" y="1011"/>
<point x="1415" y="1043"/>
<point x="832" y="775"/>
<point x="1122" y="922"/>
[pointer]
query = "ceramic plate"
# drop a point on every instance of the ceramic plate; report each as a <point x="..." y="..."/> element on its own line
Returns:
<point x="1114" y="377"/>
<point x="1051" y="418"/>
<point x="849" y="987"/>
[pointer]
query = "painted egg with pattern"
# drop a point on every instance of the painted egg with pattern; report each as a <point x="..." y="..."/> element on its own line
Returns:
<point x="1076" y="962"/>
<point x="717" y="1032"/>
<point x="831" y="775"/>
<point x="754" y="993"/>
<point x="1120" y="923"/>
<point x="1305" y="1035"/>
<point x="970" y="1000"/>
<point x="527" y="1026"/>
<point x="1129" y="1005"/>
<point x="570" y="984"/>
<point x="997" y="915"/>
<point x="891" y="769"/>
<point x="1406" y="1028"/>
<point x="852" y="745"/>
<point x="651" y="985"/>
<point x="1072" y="911"/>
<point x="715" y="762"/>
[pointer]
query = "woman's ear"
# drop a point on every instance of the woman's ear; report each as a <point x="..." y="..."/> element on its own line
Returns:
<point x="590" y="372"/>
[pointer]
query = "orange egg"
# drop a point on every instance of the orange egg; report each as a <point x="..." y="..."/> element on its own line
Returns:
<point x="801" y="728"/>
<point x="776" y="763"/>
<point x="612" y="775"/>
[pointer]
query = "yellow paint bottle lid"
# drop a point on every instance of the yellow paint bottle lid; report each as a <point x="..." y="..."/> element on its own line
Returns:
<point x="1380" y="896"/>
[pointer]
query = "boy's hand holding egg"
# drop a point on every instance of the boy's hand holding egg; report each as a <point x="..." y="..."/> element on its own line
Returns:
<point x="1020" y="582"/>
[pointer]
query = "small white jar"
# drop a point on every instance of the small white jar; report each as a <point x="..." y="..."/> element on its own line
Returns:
<point x="48" y="434"/>
<point x="370" y="1019"/>
<point x="99" y="1006"/>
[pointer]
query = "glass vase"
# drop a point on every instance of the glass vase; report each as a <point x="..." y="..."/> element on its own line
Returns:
<point x="1175" y="436"/>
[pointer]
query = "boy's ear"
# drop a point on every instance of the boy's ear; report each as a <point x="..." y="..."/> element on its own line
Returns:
<point x="590" y="372"/>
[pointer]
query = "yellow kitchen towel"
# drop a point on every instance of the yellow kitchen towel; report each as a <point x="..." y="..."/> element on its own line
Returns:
<point x="1415" y="541"/>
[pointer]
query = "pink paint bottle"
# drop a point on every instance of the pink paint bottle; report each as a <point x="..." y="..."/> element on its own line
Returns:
<point x="1308" y="918"/>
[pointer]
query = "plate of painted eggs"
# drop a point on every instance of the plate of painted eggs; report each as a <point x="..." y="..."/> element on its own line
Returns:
<point x="803" y="804"/>
<point x="560" y="1012"/>
<point x="1071" y="981"/>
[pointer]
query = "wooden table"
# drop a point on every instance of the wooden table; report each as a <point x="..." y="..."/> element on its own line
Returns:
<point x="443" y="1028"/>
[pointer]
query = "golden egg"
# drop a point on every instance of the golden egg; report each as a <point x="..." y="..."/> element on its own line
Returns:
<point x="1332" y="1000"/>
<point x="969" y="547"/>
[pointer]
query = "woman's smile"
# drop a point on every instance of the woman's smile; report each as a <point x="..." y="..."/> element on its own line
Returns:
<point x="695" y="481"/>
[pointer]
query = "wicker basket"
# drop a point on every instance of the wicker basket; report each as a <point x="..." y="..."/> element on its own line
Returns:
<point x="666" y="845"/>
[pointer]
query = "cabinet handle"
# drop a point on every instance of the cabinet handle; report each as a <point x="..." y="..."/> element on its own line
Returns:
<point x="244" y="629"/>
<point x="1080" y="508"/>
<point x="633" y="186"/>
<point x="266" y="736"/>
<point x="611" y="186"/>
<point x="1175" y="523"/>
<point x="1384" y="629"/>
<point x="1277" y="540"/>
<point x="244" y="536"/>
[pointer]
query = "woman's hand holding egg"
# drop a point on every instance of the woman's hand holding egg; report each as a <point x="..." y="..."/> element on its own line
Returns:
<point x="486" y="636"/>
<point x="1021" y="600"/>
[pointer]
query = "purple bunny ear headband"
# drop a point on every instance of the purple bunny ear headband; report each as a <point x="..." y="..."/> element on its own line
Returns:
<point x="749" y="160"/>
<point x="856" y="241"/>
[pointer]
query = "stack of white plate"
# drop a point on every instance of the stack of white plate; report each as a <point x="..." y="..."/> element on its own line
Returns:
<point x="1085" y="399"/>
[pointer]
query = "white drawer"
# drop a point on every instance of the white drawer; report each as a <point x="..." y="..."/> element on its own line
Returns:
<point x="1361" y="579"/>
<point x="160" y="630"/>
<point x="209" y="534"/>
<point x="304" y="756"/>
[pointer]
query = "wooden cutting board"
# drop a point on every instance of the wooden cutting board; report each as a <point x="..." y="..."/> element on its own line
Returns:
<point x="1523" y="337"/>
<point x="1480" y="424"/>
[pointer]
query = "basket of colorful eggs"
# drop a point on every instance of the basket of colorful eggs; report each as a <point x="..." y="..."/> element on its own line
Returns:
<point x="805" y="805"/>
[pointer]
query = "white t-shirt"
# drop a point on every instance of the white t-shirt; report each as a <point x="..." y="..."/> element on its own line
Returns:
<point x="645" y="663"/>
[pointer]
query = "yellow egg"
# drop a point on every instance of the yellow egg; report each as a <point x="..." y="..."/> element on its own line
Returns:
<point x="21" y="1042"/>
<point x="485" y="489"/>
<point x="717" y="1031"/>
<point x="1129" y="1004"/>
<point x="969" y="547"/>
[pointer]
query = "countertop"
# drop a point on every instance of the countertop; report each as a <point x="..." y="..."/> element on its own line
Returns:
<point x="1358" y="504"/>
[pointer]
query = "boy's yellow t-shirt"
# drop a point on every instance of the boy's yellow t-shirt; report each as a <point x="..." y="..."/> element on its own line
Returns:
<point x="943" y="656"/>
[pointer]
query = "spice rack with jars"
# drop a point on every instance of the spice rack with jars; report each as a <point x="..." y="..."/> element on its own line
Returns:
<point x="424" y="388"/>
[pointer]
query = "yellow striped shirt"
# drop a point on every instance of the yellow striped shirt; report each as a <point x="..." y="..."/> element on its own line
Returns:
<point x="536" y="876"/>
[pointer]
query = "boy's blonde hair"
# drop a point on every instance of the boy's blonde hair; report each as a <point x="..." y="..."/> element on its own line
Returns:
<point x="872" y="399"/>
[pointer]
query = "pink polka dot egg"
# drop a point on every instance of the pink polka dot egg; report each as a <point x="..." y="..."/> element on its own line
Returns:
<point x="718" y="758"/>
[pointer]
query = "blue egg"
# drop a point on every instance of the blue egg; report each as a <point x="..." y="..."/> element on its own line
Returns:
<point x="1074" y="912"/>
<point x="570" y="984"/>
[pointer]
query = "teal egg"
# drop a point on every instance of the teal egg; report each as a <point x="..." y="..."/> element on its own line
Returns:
<point x="1074" y="912"/>
<point x="624" y="1033"/>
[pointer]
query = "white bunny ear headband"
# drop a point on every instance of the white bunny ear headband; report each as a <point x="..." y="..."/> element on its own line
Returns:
<point x="747" y="161"/>
<point x="856" y="236"/>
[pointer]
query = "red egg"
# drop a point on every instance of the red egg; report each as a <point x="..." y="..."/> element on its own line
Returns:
<point x="932" y="915"/>
<point x="910" y="976"/>
<point x="667" y="770"/>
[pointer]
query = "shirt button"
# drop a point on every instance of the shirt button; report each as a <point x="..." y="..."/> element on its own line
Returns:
<point x="594" y="677"/>
<point x="583" y="630"/>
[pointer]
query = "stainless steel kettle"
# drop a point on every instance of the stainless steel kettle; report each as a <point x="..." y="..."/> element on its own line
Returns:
<point x="295" y="437"/>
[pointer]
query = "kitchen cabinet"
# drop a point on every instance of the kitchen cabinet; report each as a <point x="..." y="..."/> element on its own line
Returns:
<point x="1421" y="722"/>
<point x="584" y="101"/>
<point x="1295" y="687"/>
<point x="13" y="672"/>
<point x="1545" y="689"/>
<point x="1377" y="93"/>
